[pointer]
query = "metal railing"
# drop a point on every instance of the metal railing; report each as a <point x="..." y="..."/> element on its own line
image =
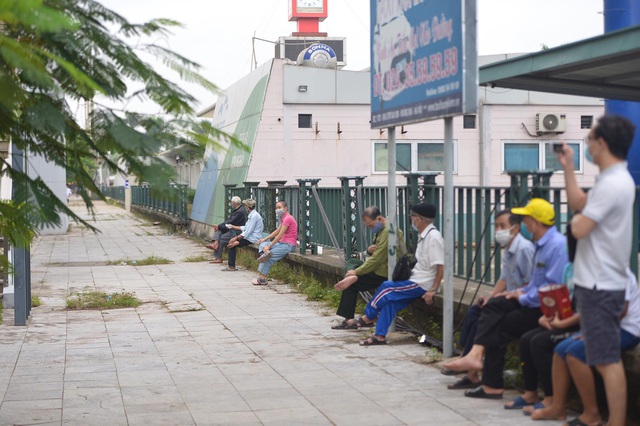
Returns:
<point x="475" y="257"/>
<point x="173" y="202"/>
<point x="114" y="192"/>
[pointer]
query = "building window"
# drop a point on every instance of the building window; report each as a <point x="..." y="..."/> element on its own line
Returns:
<point x="412" y="156"/>
<point x="403" y="157"/>
<point x="586" y="121"/>
<point x="430" y="157"/>
<point x="526" y="155"/>
<point x="468" y="121"/>
<point x="304" y="121"/>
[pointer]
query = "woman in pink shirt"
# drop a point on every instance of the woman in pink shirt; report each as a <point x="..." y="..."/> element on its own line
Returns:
<point x="284" y="242"/>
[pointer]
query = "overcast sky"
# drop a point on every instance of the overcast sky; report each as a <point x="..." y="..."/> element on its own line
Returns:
<point x="217" y="34"/>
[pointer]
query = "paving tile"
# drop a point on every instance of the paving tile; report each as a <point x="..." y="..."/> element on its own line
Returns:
<point x="251" y="356"/>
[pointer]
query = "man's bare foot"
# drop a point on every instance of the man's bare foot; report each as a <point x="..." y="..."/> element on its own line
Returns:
<point x="549" y="413"/>
<point x="346" y="282"/>
<point x="464" y="364"/>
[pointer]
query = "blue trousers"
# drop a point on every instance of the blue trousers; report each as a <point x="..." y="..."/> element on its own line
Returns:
<point x="279" y="251"/>
<point x="391" y="297"/>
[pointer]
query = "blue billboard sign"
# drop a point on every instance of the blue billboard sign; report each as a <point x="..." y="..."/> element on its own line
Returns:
<point x="423" y="60"/>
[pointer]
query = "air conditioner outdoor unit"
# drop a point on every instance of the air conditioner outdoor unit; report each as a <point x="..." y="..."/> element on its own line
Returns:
<point x="550" y="123"/>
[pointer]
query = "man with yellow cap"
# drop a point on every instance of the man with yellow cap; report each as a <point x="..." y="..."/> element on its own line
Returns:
<point x="507" y="317"/>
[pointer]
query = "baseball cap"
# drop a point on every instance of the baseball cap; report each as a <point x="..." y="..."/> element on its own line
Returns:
<point x="539" y="209"/>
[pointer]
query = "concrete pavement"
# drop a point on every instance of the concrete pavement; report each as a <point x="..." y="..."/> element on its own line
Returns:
<point x="205" y="348"/>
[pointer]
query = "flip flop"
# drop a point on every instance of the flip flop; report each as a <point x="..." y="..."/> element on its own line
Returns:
<point x="227" y="269"/>
<point x="518" y="404"/>
<point x="480" y="393"/>
<point x="449" y="372"/>
<point x="464" y="383"/>
<point x="372" y="341"/>
<point x="536" y="406"/>
<point x="216" y="261"/>
<point x="259" y="281"/>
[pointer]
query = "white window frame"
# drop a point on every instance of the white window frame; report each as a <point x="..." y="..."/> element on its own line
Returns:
<point x="542" y="152"/>
<point x="414" y="155"/>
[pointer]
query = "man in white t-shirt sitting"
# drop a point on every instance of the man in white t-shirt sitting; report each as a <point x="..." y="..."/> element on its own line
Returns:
<point x="603" y="226"/>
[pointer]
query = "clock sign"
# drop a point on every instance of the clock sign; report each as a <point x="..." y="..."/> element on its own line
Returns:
<point x="302" y="9"/>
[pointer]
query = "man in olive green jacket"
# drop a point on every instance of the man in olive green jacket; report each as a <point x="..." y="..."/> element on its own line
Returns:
<point x="369" y="275"/>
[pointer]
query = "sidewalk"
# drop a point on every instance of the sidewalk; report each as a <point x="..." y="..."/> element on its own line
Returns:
<point x="206" y="347"/>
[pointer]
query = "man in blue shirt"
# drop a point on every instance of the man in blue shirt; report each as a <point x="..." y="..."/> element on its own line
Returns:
<point x="251" y="233"/>
<point x="508" y="316"/>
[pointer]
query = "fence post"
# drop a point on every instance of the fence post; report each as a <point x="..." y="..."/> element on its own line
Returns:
<point x="305" y="230"/>
<point x="350" y="216"/>
<point x="248" y="189"/>
<point x="182" y="203"/>
<point x="519" y="188"/>
<point x="270" y="202"/>
<point x="228" y="194"/>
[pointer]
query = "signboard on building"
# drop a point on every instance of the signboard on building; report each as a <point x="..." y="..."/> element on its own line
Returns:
<point x="423" y="60"/>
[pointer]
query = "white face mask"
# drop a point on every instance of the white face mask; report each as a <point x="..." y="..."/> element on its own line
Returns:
<point x="503" y="237"/>
<point x="279" y="212"/>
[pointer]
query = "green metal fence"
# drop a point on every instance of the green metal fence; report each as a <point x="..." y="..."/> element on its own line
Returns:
<point x="475" y="257"/>
<point x="172" y="203"/>
<point x="114" y="192"/>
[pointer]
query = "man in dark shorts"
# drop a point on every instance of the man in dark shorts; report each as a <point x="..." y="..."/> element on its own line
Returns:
<point x="603" y="226"/>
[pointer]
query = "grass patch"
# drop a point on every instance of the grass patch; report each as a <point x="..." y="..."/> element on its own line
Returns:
<point x="151" y="260"/>
<point x="197" y="258"/>
<point x="102" y="300"/>
<point x="35" y="301"/>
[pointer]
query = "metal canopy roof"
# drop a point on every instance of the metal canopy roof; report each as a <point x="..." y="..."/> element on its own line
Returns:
<point x="606" y="66"/>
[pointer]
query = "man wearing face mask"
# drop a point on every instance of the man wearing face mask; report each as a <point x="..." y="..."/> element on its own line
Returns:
<point x="517" y="264"/>
<point x="369" y="275"/>
<point x="425" y="279"/>
<point x="603" y="226"/>
<point x="509" y="315"/>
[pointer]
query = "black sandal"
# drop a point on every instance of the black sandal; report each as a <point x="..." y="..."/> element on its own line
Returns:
<point x="373" y="341"/>
<point x="360" y="323"/>
<point x="344" y="325"/>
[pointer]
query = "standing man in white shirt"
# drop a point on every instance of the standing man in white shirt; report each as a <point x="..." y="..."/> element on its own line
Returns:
<point x="603" y="226"/>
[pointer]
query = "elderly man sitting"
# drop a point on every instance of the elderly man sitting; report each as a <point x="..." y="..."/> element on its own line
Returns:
<point x="224" y="232"/>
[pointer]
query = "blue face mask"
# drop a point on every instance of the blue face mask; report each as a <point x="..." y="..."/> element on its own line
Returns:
<point x="377" y="227"/>
<point x="415" y="228"/>
<point x="587" y="155"/>
<point x="525" y="232"/>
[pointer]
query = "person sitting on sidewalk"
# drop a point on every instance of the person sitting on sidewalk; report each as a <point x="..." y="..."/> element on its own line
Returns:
<point x="285" y="239"/>
<point x="223" y="232"/>
<point x="570" y="362"/>
<point x="369" y="275"/>
<point x="517" y="264"/>
<point x="251" y="232"/>
<point x="393" y="296"/>
<point x="508" y="316"/>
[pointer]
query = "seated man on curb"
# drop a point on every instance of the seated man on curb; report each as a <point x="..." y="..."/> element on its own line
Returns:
<point x="369" y="275"/>
<point x="570" y="362"/>
<point x="517" y="264"/>
<point x="393" y="296"/>
<point x="223" y="232"/>
<point x="251" y="232"/>
<point x="508" y="316"/>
